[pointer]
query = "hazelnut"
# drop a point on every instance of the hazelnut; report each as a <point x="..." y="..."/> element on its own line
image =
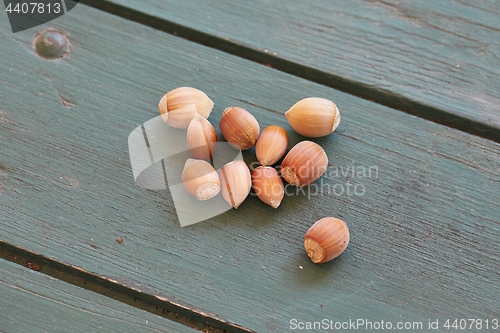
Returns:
<point x="313" y="117"/>
<point x="236" y="182"/>
<point x="271" y="145"/>
<point x="179" y="106"/>
<point x="268" y="185"/>
<point x="304" y="163"/>
<point x="200" y="179"/>
<point x="326" y="239"/>
<point x="201" y="138"/>
<point x="239" y="127"/>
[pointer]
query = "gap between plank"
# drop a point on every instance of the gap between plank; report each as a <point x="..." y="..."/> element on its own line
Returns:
<point x="162" y="307"/>
<point x="358" y="89"/>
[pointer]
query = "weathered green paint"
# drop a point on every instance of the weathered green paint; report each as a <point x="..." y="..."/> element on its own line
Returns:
<point x="437" y="60"/>
<point x="34" y="302"/>
<point x="424" y="234"/>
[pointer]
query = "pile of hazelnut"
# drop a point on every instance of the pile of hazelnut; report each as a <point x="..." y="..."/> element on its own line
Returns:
<point x="189" y="108"/>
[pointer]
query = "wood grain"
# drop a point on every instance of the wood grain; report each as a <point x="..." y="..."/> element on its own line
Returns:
<point x="34" y="302"/>
<point x="439" y="61"/>
<point x="424" y="233"/>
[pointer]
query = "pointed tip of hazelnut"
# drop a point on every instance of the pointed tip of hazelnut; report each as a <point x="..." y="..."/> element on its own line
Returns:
<point x="189" y="161"/>
<point x="162" y="107"/>
<point x="275" y="203"/>
<point x="336" y="120"/>
<point x="226" y="111"/>
<point x="198" y="117"/>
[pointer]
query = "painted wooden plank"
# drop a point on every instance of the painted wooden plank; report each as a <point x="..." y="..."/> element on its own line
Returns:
<point x="34" y="302"/>
<point x="424" y="229"/>
<point x="437" y="60"/>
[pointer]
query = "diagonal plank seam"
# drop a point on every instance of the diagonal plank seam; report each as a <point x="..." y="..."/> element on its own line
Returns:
<point x="158" y="305"/>
<point x="358" y="89"/>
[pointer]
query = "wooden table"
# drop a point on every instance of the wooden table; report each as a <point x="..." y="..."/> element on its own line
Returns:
<point x="84" y="249"/>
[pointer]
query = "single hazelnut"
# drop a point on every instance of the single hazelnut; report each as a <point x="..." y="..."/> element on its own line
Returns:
<point x="313" y="117"/>
<point x="236" y="182"/>
<point x="200" y="179"/>
<point x="271" y="145"/>
<point x="326" y="239"/>
<point x="268" y="185"/>
<point x="201" y="138"/>
<point x="239" y="127"/>
<point x="304" y="163"/>
<point x="179" y="106"/>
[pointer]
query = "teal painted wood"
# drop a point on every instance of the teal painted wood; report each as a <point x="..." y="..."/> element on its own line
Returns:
<point x="34" y="302"/>
<point x="424" y="233"/>
<point x="436" y="60"/>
